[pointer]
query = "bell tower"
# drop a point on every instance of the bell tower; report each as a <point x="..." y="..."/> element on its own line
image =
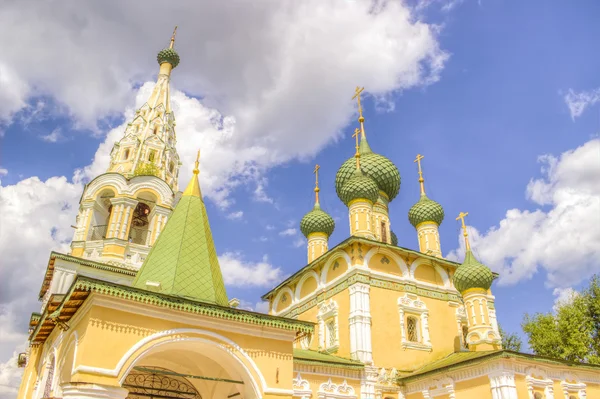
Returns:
<point x="123" y="211"/>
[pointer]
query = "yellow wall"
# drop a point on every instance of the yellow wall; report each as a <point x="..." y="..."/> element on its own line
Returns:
<point x="342" y="267"/>
<point x="478" y="388"/>
<point x="428" y="274"/>
<point x="308" y="287"/>
<point x="384" y="264"/>
<point x="387" y="338"/>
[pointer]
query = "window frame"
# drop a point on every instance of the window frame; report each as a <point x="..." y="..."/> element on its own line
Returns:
<point x="410" y="305"/>
<point x="328" y="313"/>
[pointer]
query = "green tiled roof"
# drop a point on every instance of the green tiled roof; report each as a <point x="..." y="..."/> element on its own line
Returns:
<point x="317" y="221"/>
<point x="168" y="55"/>
<point x="472" y="274"/>
<point x="425" y="210"/>
<point x="307" y="355"/>
<point x="375" y="166"/>
<point x="394" y="238"/>
<point x="359" y="186"/>
<point x="183" y="259"/>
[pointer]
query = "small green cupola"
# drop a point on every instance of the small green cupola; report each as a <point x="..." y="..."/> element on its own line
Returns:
<point x="317" y="220"/>
<point x="425" y="210"/>
<point x="169" y="54"/>
<point x="471" y="274"/>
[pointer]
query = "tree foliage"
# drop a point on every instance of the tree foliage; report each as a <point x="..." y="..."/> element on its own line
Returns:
<point x="572" y="332"/>
<point x="510" y="341"/>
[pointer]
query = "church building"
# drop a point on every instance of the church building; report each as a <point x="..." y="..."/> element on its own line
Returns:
<point x="139" y="309"/>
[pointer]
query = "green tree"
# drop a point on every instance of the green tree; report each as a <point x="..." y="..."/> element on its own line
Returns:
<point x="572" y="332"/>
<point x="510" y="341"/>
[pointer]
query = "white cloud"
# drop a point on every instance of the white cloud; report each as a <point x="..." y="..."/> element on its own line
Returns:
<point x="10" y="378"/>
<point x="235" y="215"/>
<point x="578" y="102"/>
<point x="260" y="307"/>
<point x="14" y="92"/>
<point x="270" y="227"/>
<point x="563" y="296"/>
<point x="240" y="273"/>
<point x="563" y="240"/>
<point x="3" y="172"/>
<point x="288" y="232"/>
<point x="54" y="136"/>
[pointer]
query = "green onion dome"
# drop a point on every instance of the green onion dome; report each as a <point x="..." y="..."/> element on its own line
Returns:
<point x="359" y="186"/>
<point x="472" y="274"/>
<point x="168" y="55"/>
<point x="394" y="239"/>
<point x="317" y="221"/>
<point x="426" y="210"/>
<point x="377" y="167"/>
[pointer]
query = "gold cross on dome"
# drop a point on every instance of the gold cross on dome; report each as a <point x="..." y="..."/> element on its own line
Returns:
<point x="173" y="37"/>
<point x="357" y="96"/>
<point x="461" y="216"/>
<point x="316" y="172"/>
<point x="421" y="180"/>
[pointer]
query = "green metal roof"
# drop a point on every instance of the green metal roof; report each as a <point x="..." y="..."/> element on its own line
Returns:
<point x="460" y="359"/>
<point x="317" y="221"/>
<point x="307" y="355"/>
<point x="472" y="274"/>
<point x="184" y="259"/>
<point x="425" y="210"/>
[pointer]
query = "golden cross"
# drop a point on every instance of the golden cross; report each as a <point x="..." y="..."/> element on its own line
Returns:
<point x="357" y="96"/>
<point x="461" y="216"/>
<point x="173" y="37"/>
<point x="196" y="170"/>
<point x="421" y="180"/>
<point x="316" y="172"/>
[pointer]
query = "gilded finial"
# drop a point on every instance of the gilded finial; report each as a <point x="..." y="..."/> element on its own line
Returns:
<point x="357" y="154"/>
<point x="316" y="172"/>
<point x="421" y="180"/>
<point x="173" y="37"/>
<point x="197" y="164"/>
<point x="461" y="216"/>
<point x="361" y="118"/>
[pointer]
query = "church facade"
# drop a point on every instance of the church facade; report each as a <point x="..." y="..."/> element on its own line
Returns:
<point x="138" y="308"/>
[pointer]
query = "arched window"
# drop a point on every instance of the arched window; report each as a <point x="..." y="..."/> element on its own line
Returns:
<point x="383" y="232"/>
<point x="538" y="395"/>
<point x="49" y="379"/>
<point x="171" y="167"/>
<point x="126" y="154"/>
<point x="151" y="155"/>
<point x="331" y="333"/>
<point x="412" y="329"/>
<point x="465" y="332"/>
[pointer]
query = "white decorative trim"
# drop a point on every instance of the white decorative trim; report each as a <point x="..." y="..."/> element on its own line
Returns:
<point x="424" y="261"/>
<point x="93" y="391"/>
<point x="332" y="259"/>
<point x="544" y="382"/>
<point x="306" y="276"/>
<point x="503" y="385"/>
<point x="327" y="311"/>
<point x="410" y="304"/>
<point x="284" y="290"/>
<point x="404" y="270"/>
<point x="578" y="388"/>
<point x="444" y="386"/>
<point x="301" y="387"/>
<point x="330" y="390"/>
<point x="326" y="370"/>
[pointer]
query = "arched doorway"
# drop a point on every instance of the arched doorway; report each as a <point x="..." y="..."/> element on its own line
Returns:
<point x="158" y="382"/>
<point x="213" y="369"/>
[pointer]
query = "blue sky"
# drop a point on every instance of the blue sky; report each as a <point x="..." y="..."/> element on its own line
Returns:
<point x="499" y="102"/>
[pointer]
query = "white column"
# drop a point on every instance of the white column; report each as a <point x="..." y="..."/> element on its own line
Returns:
<point x="360" y="323"/>
<point x="93" y="391"/>
<point x="503" y="385"/>
<point x="368" y="382"/>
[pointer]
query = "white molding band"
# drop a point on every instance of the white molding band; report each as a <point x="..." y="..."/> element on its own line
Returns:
<point x="93" y="391"/>
<point x="329" y="390"/>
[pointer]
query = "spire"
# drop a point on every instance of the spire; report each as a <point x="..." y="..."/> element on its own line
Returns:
<point x="461" y="216"/>
<point x="421" y="180"/>
<point x="183" y="261"/>
<point x="148" y="146"/>
<point x="316" y="172"/>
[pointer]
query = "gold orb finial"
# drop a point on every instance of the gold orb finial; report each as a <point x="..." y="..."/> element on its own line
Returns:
<point x="197" y="164"/>
<point x="316" y="172"/>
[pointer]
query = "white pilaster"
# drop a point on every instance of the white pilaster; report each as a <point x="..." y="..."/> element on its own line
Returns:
<point x="360" y="323"/>
<point x="503" y="385"/>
